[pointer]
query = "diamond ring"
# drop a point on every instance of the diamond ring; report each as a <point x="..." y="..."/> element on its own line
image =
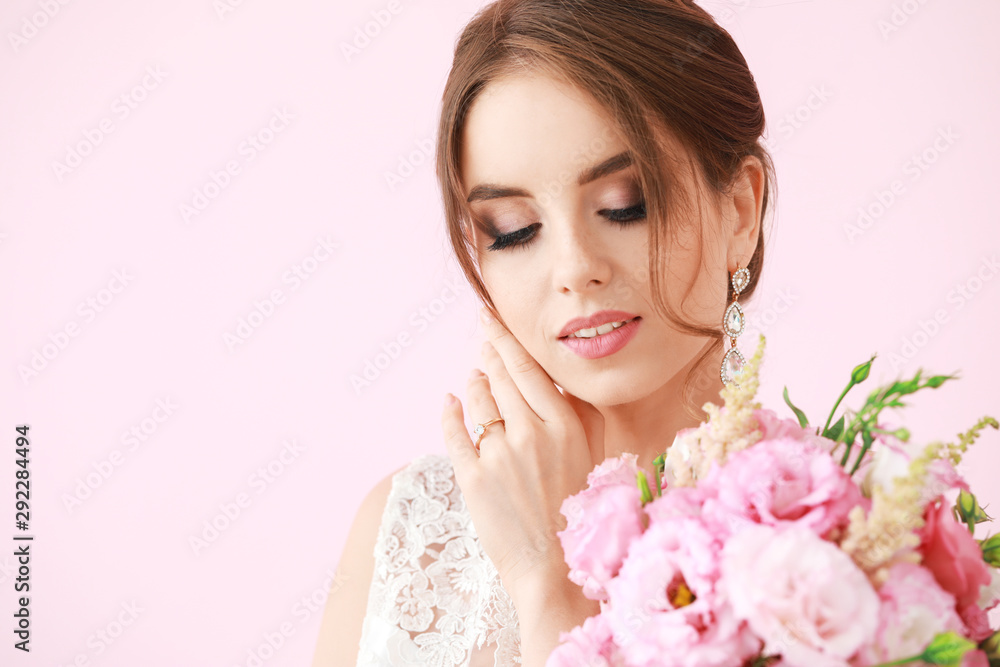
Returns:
<point x="480" y="430"/>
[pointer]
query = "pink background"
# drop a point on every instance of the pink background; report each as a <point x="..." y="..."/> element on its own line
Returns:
<point x="849" y="107"/>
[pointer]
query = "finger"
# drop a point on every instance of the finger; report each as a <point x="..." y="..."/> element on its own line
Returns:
<point x="479" y="395"/>
<point x="456" y="439"/>
<point x="508" y="397"/>
<point x="531" y="380"/>
<point x="482" y="407"/>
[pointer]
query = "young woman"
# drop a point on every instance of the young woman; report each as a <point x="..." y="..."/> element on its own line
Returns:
<point x="602" y="181"/>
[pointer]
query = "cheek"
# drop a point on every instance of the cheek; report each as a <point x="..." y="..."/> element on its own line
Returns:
<point x="506" y="279"/>
<point x="628" y="252"/>
<point x="515" y="292"/>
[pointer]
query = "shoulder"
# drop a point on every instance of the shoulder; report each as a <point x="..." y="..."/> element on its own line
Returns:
<point x="430" y="474"/>
<point x="424" y="474"/>
<point x="380" y="509"/>
<point x="418" y="494"/>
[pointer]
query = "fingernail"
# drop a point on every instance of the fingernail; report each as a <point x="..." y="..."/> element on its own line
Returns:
<point x="484" y="315"/>
<point x="449" y="399"/>
<point x="476" y="373"/>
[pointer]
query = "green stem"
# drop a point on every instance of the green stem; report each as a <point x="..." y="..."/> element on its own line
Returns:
<point x="852" y="431"/>
<point x="857" y="463"/>
<point x="856" y="426"/>
<point x="847" y="452"/>
<point x="865" y="446"/>
<point x="835" y="406"/>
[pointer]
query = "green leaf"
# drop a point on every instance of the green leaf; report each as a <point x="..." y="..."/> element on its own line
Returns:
<point x="647" y="496"/>
<point x="894" y="388"/>
<point x="991" y="550"/>
<point x="835" y="431"/>
<point x="947" y="648"/>
<point x="801" y="416"/>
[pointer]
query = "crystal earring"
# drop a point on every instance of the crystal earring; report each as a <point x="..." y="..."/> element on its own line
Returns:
<point x="732" y="324"/>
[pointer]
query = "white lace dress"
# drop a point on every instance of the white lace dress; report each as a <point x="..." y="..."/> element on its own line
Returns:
<point x="435" y="599"/>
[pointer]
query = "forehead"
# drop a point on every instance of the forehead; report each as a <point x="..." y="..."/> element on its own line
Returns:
<point x="524" y="129"/>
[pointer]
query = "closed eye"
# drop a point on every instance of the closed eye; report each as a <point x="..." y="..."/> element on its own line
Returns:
<point x="625" y="215"/>
<point x="521" y="238"/>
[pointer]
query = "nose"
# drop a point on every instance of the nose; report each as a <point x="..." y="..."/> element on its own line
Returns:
<point x="581" y="261"/>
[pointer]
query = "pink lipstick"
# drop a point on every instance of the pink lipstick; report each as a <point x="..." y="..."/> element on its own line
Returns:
<point x="595" y="344"/>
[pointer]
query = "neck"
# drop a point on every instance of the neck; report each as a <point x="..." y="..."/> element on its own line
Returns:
<point x="647" y="427"/>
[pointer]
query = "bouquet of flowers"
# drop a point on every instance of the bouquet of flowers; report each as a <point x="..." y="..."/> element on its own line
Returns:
<point x="766" y="541"/>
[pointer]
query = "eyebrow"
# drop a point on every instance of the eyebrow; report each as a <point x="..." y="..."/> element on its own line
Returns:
<point x="609" y="166"/>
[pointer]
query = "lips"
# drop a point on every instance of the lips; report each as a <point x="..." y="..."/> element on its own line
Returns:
<point x="595" y="320"/>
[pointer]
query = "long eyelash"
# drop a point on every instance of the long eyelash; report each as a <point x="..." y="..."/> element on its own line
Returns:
<point x="625" y="216"/>
<point x="514" y="239"/>
<point x="522" y="237"/>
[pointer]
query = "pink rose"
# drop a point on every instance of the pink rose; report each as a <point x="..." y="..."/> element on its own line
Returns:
<point x="773" y="427"/>
<point x="601" y="522"/>
<point x="679" y="502"/>
<point x="802" y="595"/>
<point x="588" y="644"/>
<point x="782" y="481"/>
<point x="977" y="622"/>
<point x="664" y="609"/>
<point x="615" y="470"/>
<point x="914" y="608"/>
<point x="956" y="561"/>
<point x="975" y="659"/>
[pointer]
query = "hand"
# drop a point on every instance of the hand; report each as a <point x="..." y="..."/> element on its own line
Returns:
<point x="526" y="466"/>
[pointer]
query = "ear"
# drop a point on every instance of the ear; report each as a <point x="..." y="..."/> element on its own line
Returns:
<point x="747" y="198"/>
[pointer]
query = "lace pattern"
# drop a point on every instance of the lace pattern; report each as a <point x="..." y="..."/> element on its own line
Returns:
<point x="436" y="599"/>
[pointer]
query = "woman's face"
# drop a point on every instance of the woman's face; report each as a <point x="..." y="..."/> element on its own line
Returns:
<point x="558" y="240"/>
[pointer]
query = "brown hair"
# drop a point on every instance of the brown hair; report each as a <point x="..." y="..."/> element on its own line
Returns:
<point x="658" y="67"/>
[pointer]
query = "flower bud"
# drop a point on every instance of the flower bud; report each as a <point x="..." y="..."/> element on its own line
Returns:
<point x="991" y="647"/>
<point x="991" y="550"/>
<point x="947" y="648"/>
<point x="968" y="510"/>
<point x="860" y="372"/>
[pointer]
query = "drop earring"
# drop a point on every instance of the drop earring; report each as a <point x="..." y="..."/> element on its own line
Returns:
<point x="732" y="325"/>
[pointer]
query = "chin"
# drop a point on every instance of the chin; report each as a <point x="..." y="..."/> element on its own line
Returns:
<point x="609" y="387"/>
